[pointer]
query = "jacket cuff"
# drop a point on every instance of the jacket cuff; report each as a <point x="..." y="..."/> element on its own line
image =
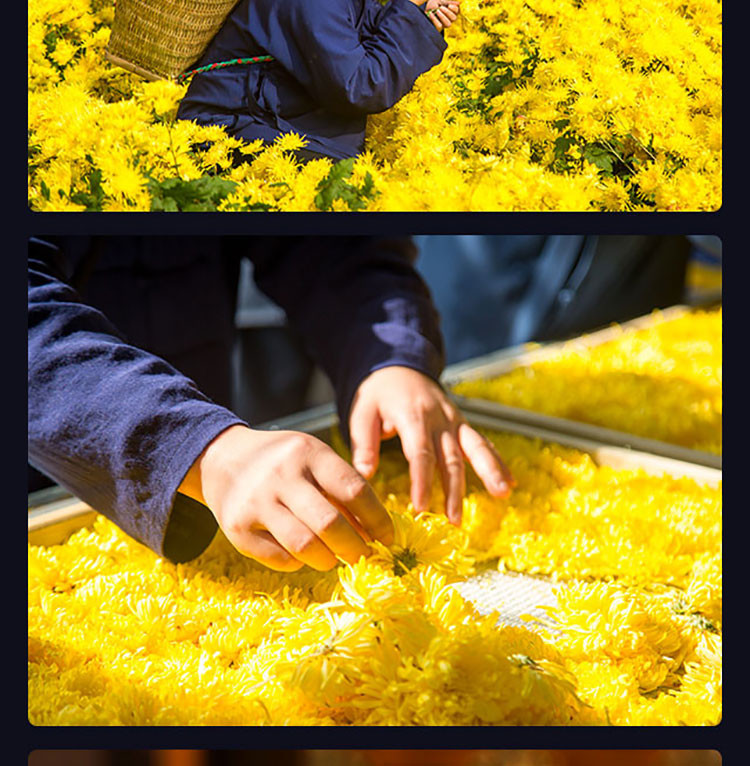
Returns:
<point x="188" y="526"/>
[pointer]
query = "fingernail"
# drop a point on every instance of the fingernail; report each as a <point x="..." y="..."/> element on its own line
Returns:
<point x="385" y="535"/>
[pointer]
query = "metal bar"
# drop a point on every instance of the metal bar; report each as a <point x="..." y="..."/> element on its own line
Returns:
<point x="503" y="361"/>
<point x="588" y="431"/>
<point x="507" y="359"/>
<point x="320" y="420"/>
<point x="512" y="595"/>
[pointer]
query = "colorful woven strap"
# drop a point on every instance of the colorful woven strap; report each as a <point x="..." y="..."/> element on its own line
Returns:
<point x="222" y="65"/>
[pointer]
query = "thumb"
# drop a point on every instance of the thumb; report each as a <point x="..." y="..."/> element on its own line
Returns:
<point x="364" y="430"/>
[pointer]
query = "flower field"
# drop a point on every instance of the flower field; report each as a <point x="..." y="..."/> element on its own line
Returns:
<point x="118" y="636"/>
<point x="568" y="105"/>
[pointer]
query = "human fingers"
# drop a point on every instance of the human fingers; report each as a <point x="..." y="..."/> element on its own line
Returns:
<point x="445" y="16"/>
<point x="450" y="460"/>
<point x="431" y="15"/>
<point x="348" y="488"/>
<point x="328" y="523"/>
<point x="365" y="428"/>
<point x="419" y="451"/>
<point x="259" y="544"/>
<point x="485" y="460"/>
<point x="297" y="538"/>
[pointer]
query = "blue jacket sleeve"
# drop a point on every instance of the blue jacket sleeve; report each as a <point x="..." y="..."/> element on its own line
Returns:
<point x="343" y="64"/>
<point x="115" y="425"/>
<point x="119" y="427"/>
<point x="359" y="305"/>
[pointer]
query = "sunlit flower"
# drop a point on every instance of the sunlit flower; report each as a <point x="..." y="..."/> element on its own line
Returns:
<point x="562" y="106"/>
<point x="118" y="635"/>
<point x="663" y="382"/>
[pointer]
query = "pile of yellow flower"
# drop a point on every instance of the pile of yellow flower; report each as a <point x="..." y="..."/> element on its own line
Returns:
<point x="119" y="636"/>
<point x="537" y="105"/>
<point x="663" y="382"/>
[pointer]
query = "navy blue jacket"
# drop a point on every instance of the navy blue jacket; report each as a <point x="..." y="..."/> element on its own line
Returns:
<point x="119" y="426"/>
<point x="336" y="61"/>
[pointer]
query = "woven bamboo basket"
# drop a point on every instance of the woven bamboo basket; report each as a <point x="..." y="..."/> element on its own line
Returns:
<point x="160" y="39"/>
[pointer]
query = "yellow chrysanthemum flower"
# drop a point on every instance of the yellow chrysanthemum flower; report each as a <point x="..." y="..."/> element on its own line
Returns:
<point x="663" y="382"/>
<point x="120" y="636"/>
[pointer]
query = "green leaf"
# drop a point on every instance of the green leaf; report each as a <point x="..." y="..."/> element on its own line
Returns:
<point x="335" y="186"/>
<point x="598" y="156"/>
<point x="93" y="198"/>
<point x="562" y="144"/>
<point x="197" y="195"/>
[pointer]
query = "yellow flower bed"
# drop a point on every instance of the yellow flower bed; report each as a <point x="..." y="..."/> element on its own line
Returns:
<point x="663" y="382"/>
<point x="118" y="636"/>
<point x="537" y="105"/>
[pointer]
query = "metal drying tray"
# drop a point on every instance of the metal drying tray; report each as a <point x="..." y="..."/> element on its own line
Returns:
<point x="514" y="595"/>
<point x="503" y="361"/>
<point x="511" y="595"/>
<point x="319" y="421"/>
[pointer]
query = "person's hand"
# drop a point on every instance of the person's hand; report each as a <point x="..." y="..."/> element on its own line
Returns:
<point x="442" y="13"/>
<point x="399" y="400"/>
<point x="287" y="499"/>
